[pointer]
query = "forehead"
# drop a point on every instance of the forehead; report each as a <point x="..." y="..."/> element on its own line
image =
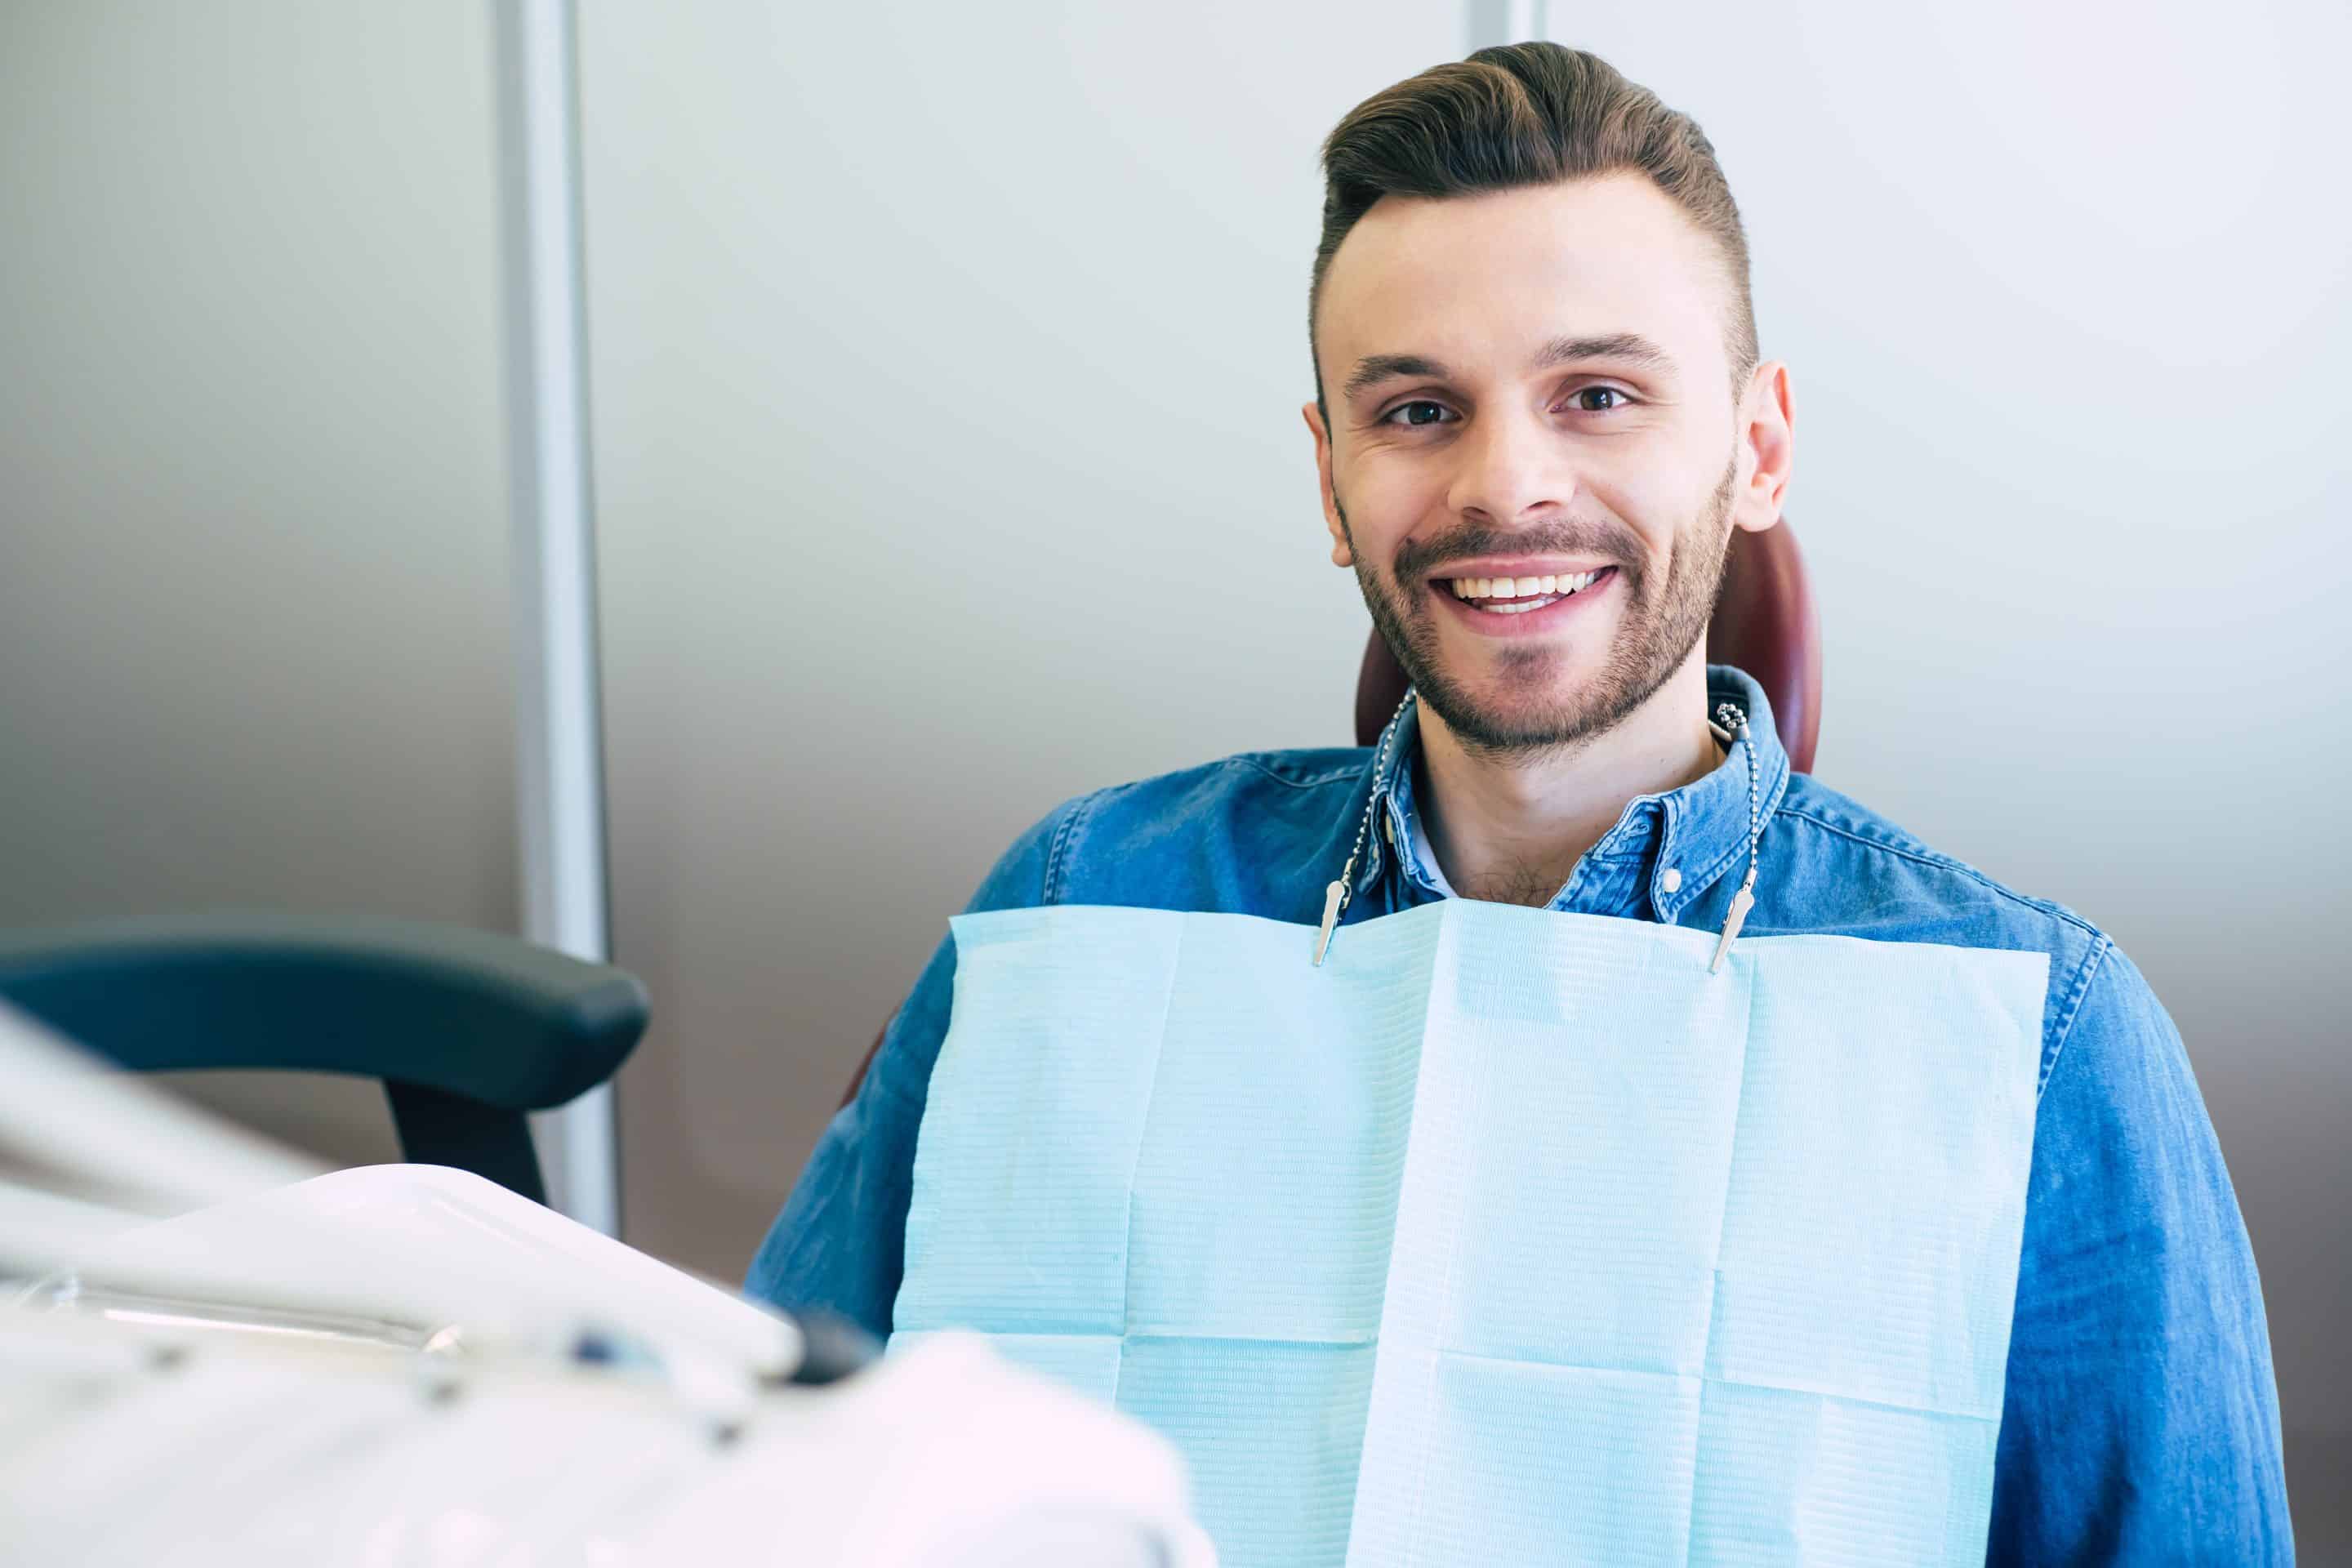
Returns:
<point x="1480" y="279"/>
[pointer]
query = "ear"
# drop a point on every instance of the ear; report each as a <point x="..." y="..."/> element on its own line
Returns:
<point x="1340" y="554"/>
<point x="1766" y="447"/>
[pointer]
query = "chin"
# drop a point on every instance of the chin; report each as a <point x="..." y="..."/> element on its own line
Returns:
<point x="1514" y="708"/>
<point x="1526" y="680"/>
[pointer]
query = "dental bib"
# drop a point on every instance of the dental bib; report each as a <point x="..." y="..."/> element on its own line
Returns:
<point x="1503" y="1235"/>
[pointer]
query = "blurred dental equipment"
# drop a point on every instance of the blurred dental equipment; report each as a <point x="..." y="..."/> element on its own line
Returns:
<point x="211" y="1353"/>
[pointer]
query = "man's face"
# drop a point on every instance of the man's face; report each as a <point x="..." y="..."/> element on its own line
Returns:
<point x="1534" y="385"/>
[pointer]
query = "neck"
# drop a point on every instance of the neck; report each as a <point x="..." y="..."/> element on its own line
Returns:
<point x="1511" y="831"/>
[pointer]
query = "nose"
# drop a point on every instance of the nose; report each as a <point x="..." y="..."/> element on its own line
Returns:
<point x="1512" y="469"/>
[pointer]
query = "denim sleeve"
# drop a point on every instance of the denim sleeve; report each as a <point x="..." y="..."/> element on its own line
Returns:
<point x="2141" y="1420"/>
<point x="840" y="1242"/>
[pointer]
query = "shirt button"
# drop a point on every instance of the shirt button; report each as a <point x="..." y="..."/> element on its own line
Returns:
<point x="1670" y="880"/>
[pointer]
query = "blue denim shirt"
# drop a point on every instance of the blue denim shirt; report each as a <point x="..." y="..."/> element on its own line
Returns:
<point x="2141" y="1418"/>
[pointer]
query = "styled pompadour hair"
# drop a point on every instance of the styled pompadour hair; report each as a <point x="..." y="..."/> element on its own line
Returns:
<point x="1527" y="114"/>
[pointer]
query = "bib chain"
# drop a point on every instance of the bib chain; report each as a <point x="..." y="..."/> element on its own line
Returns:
<point x="1336" y="896"/>
<point x="1731" y="717"/>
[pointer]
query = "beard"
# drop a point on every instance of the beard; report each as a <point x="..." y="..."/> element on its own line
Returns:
<point x="1665" y="615"/>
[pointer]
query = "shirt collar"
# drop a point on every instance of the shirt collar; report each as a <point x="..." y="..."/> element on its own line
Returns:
<point x="1664" y="851"/>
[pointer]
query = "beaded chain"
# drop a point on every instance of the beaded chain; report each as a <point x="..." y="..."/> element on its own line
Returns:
<point x="1336" y="896"/>
<point x="1731" y="718"/>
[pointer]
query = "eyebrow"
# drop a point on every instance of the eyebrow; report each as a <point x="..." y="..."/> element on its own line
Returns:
<point x="1623" y="348"/>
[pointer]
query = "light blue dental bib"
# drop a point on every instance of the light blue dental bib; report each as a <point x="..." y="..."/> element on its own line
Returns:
<point x="1506" y="1235"/>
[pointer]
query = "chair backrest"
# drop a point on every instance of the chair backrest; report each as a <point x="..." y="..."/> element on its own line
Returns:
<point x="468" y="1030"/>
<point x="1764" y="622"/>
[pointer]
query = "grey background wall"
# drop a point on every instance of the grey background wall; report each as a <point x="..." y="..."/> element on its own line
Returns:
<point x="948" y="464"/>
<point x="946" y="370"/>
<point x="253" y="594"/>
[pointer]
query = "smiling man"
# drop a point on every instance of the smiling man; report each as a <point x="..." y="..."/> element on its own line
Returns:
<point x="1540" y="413"/>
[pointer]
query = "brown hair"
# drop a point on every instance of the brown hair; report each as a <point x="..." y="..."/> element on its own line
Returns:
<point x="1527" y="114"/>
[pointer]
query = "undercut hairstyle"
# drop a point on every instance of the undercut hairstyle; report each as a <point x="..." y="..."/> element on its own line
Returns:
<point x="1527" y="114"/>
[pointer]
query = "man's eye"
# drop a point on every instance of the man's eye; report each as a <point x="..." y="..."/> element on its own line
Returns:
<point x="1420" y="411"/>
<point x="1583" y="396"/>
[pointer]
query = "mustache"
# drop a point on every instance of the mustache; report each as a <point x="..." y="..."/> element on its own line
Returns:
<point x="1419" y="558"/>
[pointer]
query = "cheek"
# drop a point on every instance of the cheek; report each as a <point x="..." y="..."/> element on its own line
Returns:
<point x="1388" y="500"/>
<point x="1656" y="500"/>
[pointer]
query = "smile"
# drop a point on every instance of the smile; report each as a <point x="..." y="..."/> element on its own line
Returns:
<point x="1518" y="595"/>
<point x="1523" y="606"/>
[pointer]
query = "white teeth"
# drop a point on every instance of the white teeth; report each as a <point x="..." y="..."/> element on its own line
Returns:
<point x="1561" y="584"/>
